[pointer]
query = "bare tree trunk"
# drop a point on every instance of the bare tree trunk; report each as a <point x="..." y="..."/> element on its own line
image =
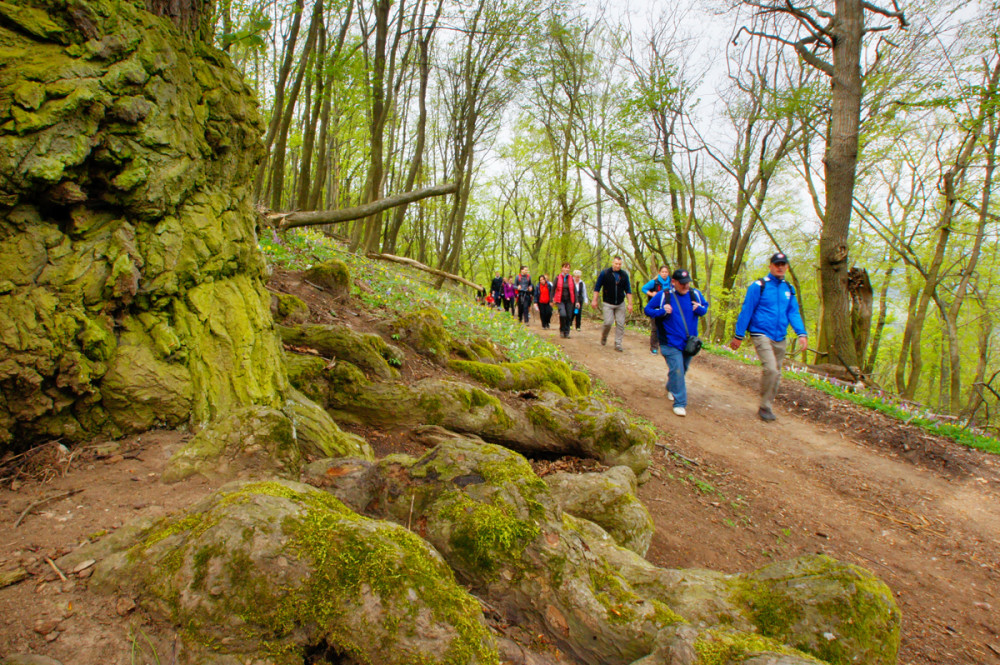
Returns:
<point x="862" y="296"/>
<point x="883" y="309"/>
<point x="279" y="97"/>
<point x="278" y="166"/>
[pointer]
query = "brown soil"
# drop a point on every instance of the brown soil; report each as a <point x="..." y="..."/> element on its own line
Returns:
<point x="735" y="494"/>
<point x="919" y="511"/>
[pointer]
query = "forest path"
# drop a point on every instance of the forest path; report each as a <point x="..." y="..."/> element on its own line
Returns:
<point x="767" y="491"/>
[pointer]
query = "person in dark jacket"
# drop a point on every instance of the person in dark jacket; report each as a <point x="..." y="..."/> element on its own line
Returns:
<point x="525" y="294"/>
<point x="768" y="309"/>
<point x="543" y="296"/>
<point x="565" y="299"/>
<point x="581" y="297"/>
<point x="676" y="311"/>
<point x="613" y="289"/>
<point x="496" y="289"/>
<point x="651" y="288"/>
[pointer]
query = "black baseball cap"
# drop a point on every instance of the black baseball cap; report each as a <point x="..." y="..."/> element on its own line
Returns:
<point x="682" y="276"/>
<point x="779" y="258"/>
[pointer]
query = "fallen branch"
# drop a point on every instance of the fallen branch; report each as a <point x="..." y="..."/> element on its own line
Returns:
<point x="420" y="266"/>
<point x="56" y="568"/>
<point x="677" y="454"/>
<point x="290" y="220"/>
<point x="41" y="502"/>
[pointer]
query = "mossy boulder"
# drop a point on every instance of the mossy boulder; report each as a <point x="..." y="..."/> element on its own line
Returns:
<point x="423" y="330"/>
<point x="277" y="569"/>
<point x="496" y="524"/>
<point x="835" y="611"/>
<point x="289" y="309"/>
<point x="249" y="441"/>
<point x="316" y="432"/>
<point x="609" y="500"/>
<point x="333" y="276"/>
<point x="481" y="349"/>
<point x="584" y="426"/>
<point x="365" y="350"/>
<point x="308" y="374"/>
<point x="532" y="374"/>
<point x="131" y="285"/>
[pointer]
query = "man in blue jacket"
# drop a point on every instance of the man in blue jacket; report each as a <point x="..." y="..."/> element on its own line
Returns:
<point x="768" y="309"/>
<point x="676" y="311"/>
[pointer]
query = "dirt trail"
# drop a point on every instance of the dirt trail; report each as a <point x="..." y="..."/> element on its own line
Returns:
<point x="765" y="491"/>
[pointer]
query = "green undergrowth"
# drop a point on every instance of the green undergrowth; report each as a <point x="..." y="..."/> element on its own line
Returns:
<point x="397" y="290"/>
<point x="922" y="418"/>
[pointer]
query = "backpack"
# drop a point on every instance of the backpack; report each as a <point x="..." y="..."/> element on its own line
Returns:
<point x="763" y="282"/>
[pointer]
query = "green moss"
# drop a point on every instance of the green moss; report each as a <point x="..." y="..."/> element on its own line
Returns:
<point x="542" y="416"/>
<point x="491" y="375"/>
<point x="485" y="536"/>
<point x="610" y="590"/>
<point x="332" y="275"/>
<point x="855" y="607"/>
<point x="664" y="616"/>
<point x="532" y="374"/>
<point x="291" y="307"/>
<point x="423" y="329"/>
<point x="582" y="382"/>
<point x="715" y="647"/>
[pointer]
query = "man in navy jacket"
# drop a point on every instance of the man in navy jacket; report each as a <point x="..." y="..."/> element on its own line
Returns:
<point x="676" y="311"/>
<point x="768" y="309"/>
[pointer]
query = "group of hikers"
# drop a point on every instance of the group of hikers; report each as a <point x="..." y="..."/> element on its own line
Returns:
<point x="674" y="308"/>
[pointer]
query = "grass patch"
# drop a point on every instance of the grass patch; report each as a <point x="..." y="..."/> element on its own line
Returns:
<point x="922" y="418"/>
<point x="397" y="290"/>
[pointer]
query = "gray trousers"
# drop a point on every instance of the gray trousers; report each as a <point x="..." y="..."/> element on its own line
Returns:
<point x="771" y="355"/>
<point x="614" y="315"/>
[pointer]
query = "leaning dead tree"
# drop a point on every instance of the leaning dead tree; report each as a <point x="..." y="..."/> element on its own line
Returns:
<point x="290" y="220"/>
<point x="420" y="266"/>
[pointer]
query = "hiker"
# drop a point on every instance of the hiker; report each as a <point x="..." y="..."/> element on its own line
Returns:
<point x="496" y="289"/>
<point x="566" y="299"/>
<point x="768" y="309"/>
<point x="525" y="294"/>
<point x="651" y="288"/>
<point x="676" y="310"/>
<point x="613" y="288"/>
<point x="581" y="297"/>
<point x="543" y="296"/>
<point x="509" y="295"/>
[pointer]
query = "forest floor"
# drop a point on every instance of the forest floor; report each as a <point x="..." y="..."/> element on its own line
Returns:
<point x="921" y="512"/>
<point x="829" y="477"/>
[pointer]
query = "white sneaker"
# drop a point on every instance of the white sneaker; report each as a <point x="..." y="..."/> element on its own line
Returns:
<point x="679" y="411"/>
<point x="670" y="396"/>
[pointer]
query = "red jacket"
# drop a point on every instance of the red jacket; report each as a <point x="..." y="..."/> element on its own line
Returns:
<point x="559" y="290"/>
<point x="544" y="293"/>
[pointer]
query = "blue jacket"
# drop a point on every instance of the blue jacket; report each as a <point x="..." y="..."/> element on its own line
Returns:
<point x="664" y="284"/>
<point x="769" y="310"/>
<point x="669" y="327"/>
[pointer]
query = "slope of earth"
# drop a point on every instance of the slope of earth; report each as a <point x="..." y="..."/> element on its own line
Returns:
<point x="830" y="477"/>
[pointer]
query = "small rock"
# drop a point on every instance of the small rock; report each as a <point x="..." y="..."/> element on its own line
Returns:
<point x="114" y="459"/>
<point x="984" y="606"/>
<point x="46" y="626"/>
<point x="83" y="565"/>
<point x="53" y="636"/>
<point x="68" y="586"/>
<point x="84" y="574"/>
<point x="124" y="606"/>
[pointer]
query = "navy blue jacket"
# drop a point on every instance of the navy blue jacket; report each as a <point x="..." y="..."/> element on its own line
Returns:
<point x="669" y="327"/>
<point x="769" y="310"/>
<point x="613" y="291"/>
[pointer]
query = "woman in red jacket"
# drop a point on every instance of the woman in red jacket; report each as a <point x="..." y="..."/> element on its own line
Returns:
<point x="565" y="299"/>
<point x="544" y="299"/>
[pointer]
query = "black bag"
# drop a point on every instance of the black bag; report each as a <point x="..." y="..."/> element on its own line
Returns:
<point x="693" y="343"/>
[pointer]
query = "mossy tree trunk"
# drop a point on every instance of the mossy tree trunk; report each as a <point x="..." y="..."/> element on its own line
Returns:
<point x="131" y="286"/>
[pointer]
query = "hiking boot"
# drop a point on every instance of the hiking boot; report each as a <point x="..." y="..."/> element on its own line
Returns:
<point x="654" y="351"/>
<point x="619" y="349"/>
<point x="680" y="411"/>
<point x="766" y="415"/>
